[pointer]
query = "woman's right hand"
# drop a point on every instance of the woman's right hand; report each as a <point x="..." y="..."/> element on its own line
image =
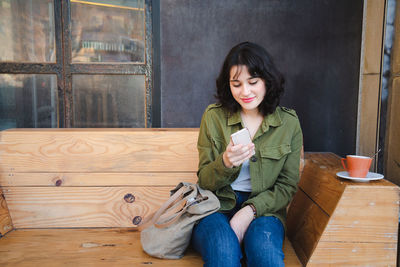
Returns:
<point x="235" y="155"/>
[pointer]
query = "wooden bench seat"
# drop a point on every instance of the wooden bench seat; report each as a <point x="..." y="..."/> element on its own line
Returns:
<point x="74" y="197"/>
<point x="82" y="247"/>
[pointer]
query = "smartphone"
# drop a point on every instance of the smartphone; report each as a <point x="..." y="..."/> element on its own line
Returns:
<point x="242" y="137"/>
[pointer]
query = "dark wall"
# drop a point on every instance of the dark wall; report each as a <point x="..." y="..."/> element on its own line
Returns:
<point x="316" y="44"/>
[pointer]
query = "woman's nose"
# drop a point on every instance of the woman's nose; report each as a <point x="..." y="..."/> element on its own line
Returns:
<point x="245" y="90"/>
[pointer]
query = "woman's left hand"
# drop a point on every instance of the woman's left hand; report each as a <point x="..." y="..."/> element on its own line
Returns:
<point x="241" y="221"/>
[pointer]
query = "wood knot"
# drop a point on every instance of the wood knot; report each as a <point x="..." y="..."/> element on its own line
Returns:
<point x="129" y="198"/>
<point x="58" y="182"/>
<point x="137" y="220"/>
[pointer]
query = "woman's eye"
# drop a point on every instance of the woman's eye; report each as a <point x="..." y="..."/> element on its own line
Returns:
<point x="236" y="84"/>
<point x="253" y="82"/>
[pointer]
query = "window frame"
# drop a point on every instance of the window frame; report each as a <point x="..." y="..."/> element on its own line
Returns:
<point x="64" y="69"/>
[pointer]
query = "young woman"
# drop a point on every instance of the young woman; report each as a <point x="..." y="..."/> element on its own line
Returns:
<point x="253" y="182"/>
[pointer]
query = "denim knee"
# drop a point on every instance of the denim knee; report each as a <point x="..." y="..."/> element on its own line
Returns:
<point x="263" y="242"/>
<point x="215" y="240"/>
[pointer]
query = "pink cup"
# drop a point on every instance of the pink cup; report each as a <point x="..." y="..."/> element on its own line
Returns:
<point x="357" y="166"/>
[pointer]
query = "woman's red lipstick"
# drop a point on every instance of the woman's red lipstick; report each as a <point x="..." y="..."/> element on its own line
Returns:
<point x="248" y="100"/>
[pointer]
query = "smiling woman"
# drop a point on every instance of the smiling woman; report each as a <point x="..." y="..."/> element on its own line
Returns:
<point x="259" y="66"/>
<point x="254" y="182"/>
<point x="247" y="90"/>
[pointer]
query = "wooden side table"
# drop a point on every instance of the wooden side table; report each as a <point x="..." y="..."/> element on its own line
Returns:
<point x="341" y="222"/>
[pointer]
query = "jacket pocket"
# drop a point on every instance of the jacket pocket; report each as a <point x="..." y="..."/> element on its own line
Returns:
<point x="272" y="161"/>
<point x="276" y="152"/>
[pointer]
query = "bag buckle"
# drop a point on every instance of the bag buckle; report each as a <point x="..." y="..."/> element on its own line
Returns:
<point x="196" y="200"/>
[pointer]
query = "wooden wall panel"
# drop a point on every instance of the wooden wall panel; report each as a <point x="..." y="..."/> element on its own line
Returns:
<point x="83" y="150"/>
<point x="42" y="207"/>
<point x="373" y="32"/>
<point x="368" y="121"/>
<point x="392" y="142"/>
<point x="395" y="60"/>
<point x="370" y="73"/>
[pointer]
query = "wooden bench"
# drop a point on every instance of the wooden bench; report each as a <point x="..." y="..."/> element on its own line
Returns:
<point x="74" y="197"/>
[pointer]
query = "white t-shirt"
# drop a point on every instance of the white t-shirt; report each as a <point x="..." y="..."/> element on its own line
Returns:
<point x="242" y="182"/>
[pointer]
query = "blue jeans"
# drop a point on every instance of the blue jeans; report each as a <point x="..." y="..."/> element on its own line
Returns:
<point x="218" y="245"/>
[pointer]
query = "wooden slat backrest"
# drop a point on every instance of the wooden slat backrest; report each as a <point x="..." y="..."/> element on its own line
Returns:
<point x="98" y="150"/>
<point x="92" y="177"/>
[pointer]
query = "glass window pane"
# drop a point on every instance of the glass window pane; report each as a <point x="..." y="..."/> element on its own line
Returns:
<point x="108" y="31"/>
<point x="27" y="31"/>
<point x="28" y="101"/>
<point x="109" y="100"/>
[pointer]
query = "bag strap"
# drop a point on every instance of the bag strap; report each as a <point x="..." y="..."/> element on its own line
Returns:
<point x="172" y="214"/>
<point x="176" y="201"/>
<point x="170" y="218"/>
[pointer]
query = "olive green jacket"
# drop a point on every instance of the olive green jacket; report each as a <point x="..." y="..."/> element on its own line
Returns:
<point x="274" y="170"/>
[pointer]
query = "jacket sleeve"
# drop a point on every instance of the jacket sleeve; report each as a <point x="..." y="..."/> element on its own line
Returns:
<point x="278" y="197"/>
<point x="212" y="173"/>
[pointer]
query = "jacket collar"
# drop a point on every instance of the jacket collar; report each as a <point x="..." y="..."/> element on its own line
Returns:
<point x="273" y="120"/>
<point x="234" y="118"/>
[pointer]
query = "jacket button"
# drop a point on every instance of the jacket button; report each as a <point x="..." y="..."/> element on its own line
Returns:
<point x="253" y="158"/>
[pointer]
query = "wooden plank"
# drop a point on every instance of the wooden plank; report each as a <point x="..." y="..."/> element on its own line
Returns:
<point x="89" y="247"/>
<point x="354" y="254"/>
<point x="97" y="179"/>
<point x="319" y="180"/>
<point x="395" y="60"/>
<point x="305" y="224"/>
<point x="81" y="247"/>
<point x="370" y="71"/>
<point x="5" y="219"/>
<point x="82" y="150"/>
<point x="373" y="33"/>
<point x="392" y="142"/>
<point x="49" y="207"/>
<point x="365" y="214"/>
<point x="368" y="117"/>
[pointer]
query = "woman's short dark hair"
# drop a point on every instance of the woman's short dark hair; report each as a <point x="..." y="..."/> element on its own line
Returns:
<point x="259" y="64"/>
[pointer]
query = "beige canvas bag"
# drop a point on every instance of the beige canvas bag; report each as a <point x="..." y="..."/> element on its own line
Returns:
<point x="167" y="233"/>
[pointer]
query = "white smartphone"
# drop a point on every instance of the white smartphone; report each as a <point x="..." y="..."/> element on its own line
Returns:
<point x="242" y="137"/>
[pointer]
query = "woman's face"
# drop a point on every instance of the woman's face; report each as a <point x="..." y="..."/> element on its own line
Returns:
<point x="248" y="91"/>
